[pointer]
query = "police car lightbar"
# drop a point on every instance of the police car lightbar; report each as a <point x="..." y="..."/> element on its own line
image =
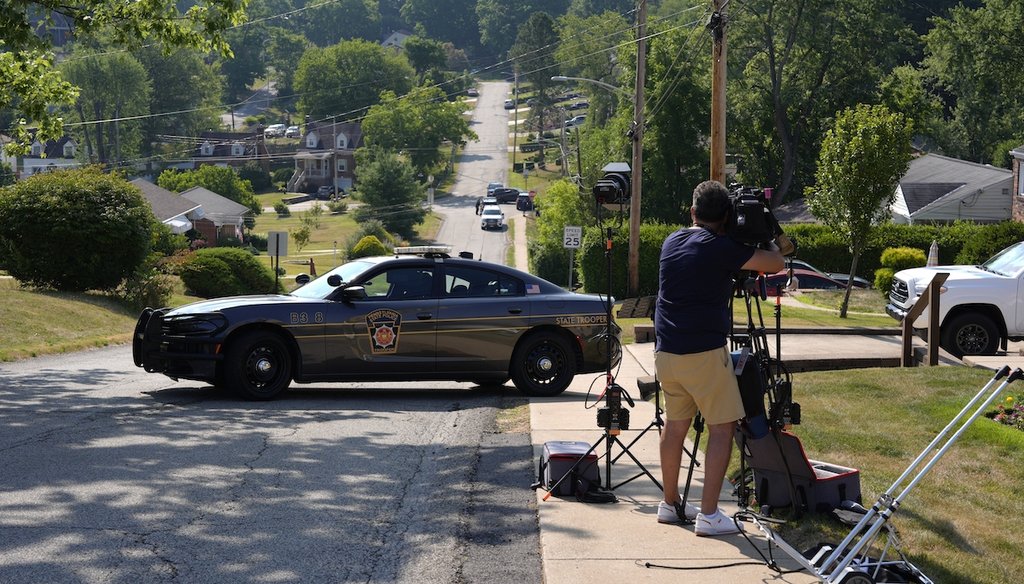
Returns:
<point x="424" y="250"/>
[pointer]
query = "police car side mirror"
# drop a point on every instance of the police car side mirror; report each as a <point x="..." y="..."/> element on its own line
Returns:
<point x="302" y="279"/>
<point x="334" y="280"/>
<point x="353" y="293"/>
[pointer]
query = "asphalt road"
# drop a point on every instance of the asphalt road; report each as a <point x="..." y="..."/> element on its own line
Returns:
<point x="481" y="162"/>
<point x="113" y="475"/>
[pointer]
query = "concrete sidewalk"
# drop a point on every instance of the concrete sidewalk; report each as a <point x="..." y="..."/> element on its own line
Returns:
<point x="583" y="542"/>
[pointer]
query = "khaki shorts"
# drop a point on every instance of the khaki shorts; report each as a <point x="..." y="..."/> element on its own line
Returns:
<point x="702" y="382"/>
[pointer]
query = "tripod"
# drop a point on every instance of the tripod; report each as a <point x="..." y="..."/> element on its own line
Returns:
<point x="613" y="418"/>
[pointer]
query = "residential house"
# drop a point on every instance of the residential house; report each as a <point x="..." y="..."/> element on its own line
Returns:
<point x="221" y="217"/>
<point x="169" y="208"/>
<point x="232" y="149"/>
<point x="940" y="189"/>
<point x="396" y="39"/>
<point x="49" y="155"/>
<point x="327" y="157"/>
<point x="1018" y="181"/>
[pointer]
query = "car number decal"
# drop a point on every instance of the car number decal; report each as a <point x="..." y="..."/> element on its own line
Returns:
<point x="384" y="326"/>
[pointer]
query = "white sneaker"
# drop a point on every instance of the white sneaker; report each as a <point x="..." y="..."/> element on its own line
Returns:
<point x="717" y="523"/>
<point x="668" y="513"/>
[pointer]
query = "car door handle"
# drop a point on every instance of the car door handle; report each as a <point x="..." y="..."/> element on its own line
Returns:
<point x="515" y="310"/>
<point x="424" y="315"/>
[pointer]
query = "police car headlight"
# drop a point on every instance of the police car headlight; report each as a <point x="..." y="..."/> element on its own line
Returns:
<point x="196" y="324"/>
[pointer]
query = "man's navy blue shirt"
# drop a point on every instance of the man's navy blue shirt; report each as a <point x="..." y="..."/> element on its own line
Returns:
<point x="695" y="281"/>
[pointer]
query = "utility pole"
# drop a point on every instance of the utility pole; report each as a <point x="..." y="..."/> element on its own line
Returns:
<point x="334" y="156"/>
<point x="717" y="28"/>
<point x="515" y="115"/>
<point x="637" y="136"/>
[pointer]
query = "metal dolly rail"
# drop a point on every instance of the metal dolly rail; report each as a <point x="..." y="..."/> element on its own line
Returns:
<point x="848" y="562"/>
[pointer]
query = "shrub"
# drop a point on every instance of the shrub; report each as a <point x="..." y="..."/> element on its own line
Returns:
<point x="257" y="177"/>
<point x="147" y="287"/>
<point x="258" y="240"/>
<point x="282" y="209"/>
<point x="989" y="241"/>
<point x="219" y="271"/>
<point x="74" y="230"/>
<point x="368" y="246"/>
<point x="372" y="227"/>
<point x="337" y="207"/>
<point x="282" y="174"/>
<point x="893" y="260"/>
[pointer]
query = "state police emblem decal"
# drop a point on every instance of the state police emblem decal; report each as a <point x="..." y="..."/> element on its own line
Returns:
<point x="384" y="326"/>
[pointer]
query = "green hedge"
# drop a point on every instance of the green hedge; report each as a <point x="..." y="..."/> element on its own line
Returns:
<point x="214" y="272"/>
<point x="959" y="243"/>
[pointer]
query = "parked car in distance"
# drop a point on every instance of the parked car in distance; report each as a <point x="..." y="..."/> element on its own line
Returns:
<point x="506" y="195"/>
<point x="510" y="104"/>
<point x="575" y="121"/>
<point x="524" y="202"/>
<point x="324" y="193"/>
<point x="858" y="282"/>
<point x="292" y="132"/>
<point x="364" y="321"/>
<point x="491" y="186"/>
<point x="488" y="201"/>
<point x="492" y="217"/>
<point x="472" y="92"/>
<point x="274" y="131"/>
<point x="579" y="105"/>
<point x="806" y="279"/>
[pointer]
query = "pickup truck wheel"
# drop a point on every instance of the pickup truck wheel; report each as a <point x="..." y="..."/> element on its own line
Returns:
<point x="970" y="334"/>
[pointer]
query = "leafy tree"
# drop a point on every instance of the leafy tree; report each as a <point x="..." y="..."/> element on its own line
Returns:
<point x="792" y="66"/>
<point x="286" y="48"/>
<point x="675" y="151"/>
<point x="112" y="86"/>
<point x="587" y="56"/>
<point x="6" y="174"/>
<point x="862" y="159"/>
<point x="348" y="77"/>
<point x="30" y="83"/>
<point x="74" y="230"/>
<point x="249" y="60"/>
<point x="534" y="56"/>
<point x="183" y="84"/>
<point x="301" y="236"/>
<point x="389" y="191"/>
<point x="416" y="124"/>
<point x="221" y="180"/>
<point x="975" y="55"/>
<point x="445" y="20"/>
<point x="328" y="23"/>
<point x="586" y="8"/>
<point x="425" y="54"/>
<point x="500" y="21"/>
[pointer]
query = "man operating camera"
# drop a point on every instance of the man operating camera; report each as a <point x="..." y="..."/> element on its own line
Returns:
<point x="691" y="325"/>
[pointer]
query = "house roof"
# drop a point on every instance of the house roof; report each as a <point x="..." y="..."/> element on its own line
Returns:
<point x="795" y="211"/>
<point x="325" y="134"/>
<point x="1018" y="152"/>
<point x="223" y="141"/>
<point x="166" y="204"/>
<point x="933" y="177"/>
<point x="217" y="208"/>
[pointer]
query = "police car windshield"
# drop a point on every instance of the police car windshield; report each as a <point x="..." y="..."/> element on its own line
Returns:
<point x="319" y="288"/>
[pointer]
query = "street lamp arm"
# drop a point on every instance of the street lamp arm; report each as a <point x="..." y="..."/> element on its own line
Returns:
<point x="607" y="86"/>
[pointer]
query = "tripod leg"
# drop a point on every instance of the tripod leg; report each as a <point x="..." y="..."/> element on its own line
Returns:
<point x="698" y="428"/>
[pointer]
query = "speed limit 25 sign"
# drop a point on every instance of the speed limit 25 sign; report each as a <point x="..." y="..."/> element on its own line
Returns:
<point x="572" y="237"/>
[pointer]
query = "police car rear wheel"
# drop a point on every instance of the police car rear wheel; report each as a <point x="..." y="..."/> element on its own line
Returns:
<point x="543" y="365"/>
<point x="258" y="365"/>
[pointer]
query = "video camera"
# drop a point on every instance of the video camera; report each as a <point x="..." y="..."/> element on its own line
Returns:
<point x="750" y="219"/>
<point x="614" y="187"/>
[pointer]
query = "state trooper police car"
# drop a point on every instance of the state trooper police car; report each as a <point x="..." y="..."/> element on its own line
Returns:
<point x="415" y="315"/>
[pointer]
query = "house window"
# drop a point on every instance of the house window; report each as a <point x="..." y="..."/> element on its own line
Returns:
<point x="206" y="149"/>
<point x="69" y="150"/>
<point x="342" y="165"/>
<point x="342" y="142"/>
<point x="237" y="149"/>
<point x="37" y="149"/>
<point x="311" y="140"/>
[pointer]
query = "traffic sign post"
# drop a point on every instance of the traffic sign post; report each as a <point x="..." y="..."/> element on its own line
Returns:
<point x="571" y="238"/>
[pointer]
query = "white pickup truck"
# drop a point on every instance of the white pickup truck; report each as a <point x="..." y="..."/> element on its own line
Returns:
<point x="980" y="307"/>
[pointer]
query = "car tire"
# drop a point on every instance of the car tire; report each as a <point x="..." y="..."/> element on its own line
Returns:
<point x="543" y="365"/>
<point x="970" y="333"/>
<point x="258" y="365"/>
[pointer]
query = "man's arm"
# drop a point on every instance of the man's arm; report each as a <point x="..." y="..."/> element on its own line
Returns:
<point x="768" y="261"/>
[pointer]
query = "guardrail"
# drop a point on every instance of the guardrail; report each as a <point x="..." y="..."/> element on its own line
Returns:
<point x="929" y="299"/>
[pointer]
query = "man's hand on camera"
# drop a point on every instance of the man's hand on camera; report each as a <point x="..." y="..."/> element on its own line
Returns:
<point x="784" y="245"/>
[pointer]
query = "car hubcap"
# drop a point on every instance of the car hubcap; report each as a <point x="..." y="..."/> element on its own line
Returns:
<point x="972" y="340"/>
<point x="262" y="367"/>
<point x="544" y="364"/>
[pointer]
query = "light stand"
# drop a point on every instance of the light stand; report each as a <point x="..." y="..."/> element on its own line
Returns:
<point x="613" y="418"/>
